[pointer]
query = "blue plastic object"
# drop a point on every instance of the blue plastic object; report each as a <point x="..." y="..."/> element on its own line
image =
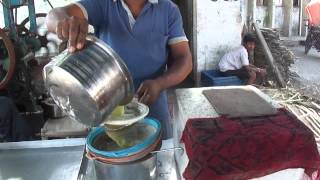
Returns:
<point x="128" y="151"/>
<point x="216" y="78"/>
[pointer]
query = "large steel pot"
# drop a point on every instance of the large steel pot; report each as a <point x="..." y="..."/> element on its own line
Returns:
<point x="144" y="169"/>
<point x="90" y="83"/>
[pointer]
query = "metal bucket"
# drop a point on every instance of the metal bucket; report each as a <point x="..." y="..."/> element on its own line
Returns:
<point x="90" y="83"/>
<point x="143" y="169"/>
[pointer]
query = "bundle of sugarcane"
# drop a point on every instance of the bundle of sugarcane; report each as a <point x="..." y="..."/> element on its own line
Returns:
<point x="283" y="57"/>
<point x="305" y="108"/>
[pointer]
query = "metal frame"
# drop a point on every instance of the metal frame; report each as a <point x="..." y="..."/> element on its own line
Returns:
<point x="9" y="17"/>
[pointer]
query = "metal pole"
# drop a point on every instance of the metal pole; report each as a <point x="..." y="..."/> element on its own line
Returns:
<point x="287" y="20"/>
<point x="194" y="46"/>
<point x="6" y="13"/>
<point x="269" y="56"/>
<point x="251" y="15"/>
<point x="32" y="16"/>
<point x="9" y="19"/>
<point x="303" y="18"/>
<point x="300" y="16"/>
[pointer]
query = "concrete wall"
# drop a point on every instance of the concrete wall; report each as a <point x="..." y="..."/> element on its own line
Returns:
<point x="261" y="13"/>
<point x="219" y="26"/>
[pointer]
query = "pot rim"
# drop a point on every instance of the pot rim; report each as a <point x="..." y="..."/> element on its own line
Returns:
<point x="127" y="151"/>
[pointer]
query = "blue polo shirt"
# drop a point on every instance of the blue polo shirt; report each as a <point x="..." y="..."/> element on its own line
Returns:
<point x="142" y="42"/>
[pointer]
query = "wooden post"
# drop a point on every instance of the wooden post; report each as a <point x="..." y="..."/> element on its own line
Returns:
<point x="251" y="15"/>
<point x="271" y="13"/>
<point x="302" y="18"/>
<point x="196" y="75"/>
<point x="287" y="19"/>
<point x="269" y="56"/>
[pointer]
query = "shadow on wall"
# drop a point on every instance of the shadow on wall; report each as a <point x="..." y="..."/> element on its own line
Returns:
<point x="218" y="53"/>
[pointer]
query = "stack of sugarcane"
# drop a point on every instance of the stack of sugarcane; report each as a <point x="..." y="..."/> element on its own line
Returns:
<point x="283" y="57"/>
<point x="306" y="109"/>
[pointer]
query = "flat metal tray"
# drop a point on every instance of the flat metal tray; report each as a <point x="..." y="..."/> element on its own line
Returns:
<point x="64" y="159"/>
<point x="49" y="159"/>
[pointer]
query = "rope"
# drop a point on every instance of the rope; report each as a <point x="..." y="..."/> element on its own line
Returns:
<point x="50" y="4"/>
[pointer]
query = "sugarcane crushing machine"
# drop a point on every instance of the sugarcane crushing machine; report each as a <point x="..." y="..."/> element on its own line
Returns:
<point x="24" y="46"/>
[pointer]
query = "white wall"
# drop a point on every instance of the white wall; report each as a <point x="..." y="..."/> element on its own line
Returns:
<point x="219" y="26"/>
<point x="261" y="12"/>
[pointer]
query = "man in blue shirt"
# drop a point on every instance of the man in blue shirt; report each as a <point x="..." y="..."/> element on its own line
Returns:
<point x="142" y="32"/>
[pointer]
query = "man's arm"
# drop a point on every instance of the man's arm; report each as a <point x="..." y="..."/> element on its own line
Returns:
<point x="180" y="68"/>
<point x="70" y="24"/>
<point x="244" y="58"/>
<point x="255" y="69"/>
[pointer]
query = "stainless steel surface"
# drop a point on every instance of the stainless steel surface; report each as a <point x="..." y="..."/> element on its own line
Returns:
<point x="169" y="149"/>
<point x="64" y="134"/>
<point x="38" y="160"/>
<point x="62" y="126"/>
<point x="144" y="169"/>
<point x="90" y="83"/>
<point x="52" y="110"/>
<point x="166" y="163"/>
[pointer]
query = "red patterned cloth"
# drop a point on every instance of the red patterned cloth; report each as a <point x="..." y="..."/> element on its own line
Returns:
<point x="243" y="148"/>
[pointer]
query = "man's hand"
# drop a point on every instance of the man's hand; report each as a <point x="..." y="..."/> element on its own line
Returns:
<point x="70" y="24"/>
<point x="74" y="30"/>
<point x="149" y="91"/>
<point x="262" y="72"/>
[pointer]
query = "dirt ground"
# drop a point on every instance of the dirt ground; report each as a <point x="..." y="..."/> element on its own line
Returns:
<point x="307" y="67"/>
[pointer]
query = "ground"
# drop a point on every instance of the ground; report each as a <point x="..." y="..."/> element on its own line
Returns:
<point x="307" y="67"/>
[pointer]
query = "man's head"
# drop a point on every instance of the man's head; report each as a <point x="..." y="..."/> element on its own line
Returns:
<point x="249" y="41"/>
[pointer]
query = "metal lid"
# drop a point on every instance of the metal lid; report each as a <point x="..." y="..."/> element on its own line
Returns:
<point x="133" y="112"/>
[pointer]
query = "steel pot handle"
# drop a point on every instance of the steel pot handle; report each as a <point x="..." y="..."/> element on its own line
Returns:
<point x="169" y="149"/>
<point x="89" y="156"/>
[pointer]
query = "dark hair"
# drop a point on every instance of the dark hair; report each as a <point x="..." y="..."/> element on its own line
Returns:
<point x="249" y="37"/>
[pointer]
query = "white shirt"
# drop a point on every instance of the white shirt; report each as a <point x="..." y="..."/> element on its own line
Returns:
<point x="235" y="59"/>
<point x="132" y="20"/>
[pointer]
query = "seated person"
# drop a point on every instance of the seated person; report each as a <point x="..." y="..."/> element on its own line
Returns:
<point x="12" y="126"/>
<point x="236" y="62"/>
